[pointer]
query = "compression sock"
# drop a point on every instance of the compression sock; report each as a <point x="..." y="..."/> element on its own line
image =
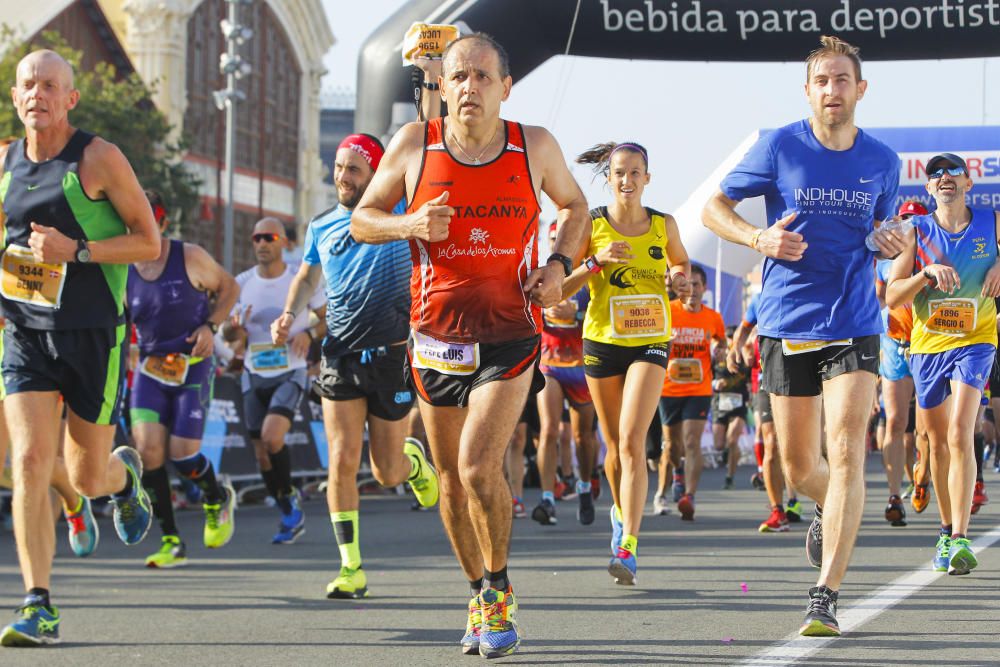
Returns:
<point x="345" y="529"/>
<point x="199" y="470"/>
<point x="497" y="580"/>
<point x="157" y="485"/>
<point x="281" y="466"/>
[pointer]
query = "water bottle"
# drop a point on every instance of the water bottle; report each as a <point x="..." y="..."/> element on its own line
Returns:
<point x="888" y="226"/>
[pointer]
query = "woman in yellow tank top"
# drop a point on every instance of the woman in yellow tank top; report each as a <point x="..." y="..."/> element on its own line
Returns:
<point x="626" y="334"/>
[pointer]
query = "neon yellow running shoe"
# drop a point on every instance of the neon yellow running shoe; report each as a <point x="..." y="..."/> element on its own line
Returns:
<point x="220" y="519"/>
<point x="171" y="554"/>
<point x="349" y="585"/>
<point x="424" y="482"/>
<point x="500" y="635"/>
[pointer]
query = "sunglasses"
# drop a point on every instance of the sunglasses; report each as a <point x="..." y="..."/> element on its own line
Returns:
<point x="951" y="171"/>
<point x="270" y="238"/>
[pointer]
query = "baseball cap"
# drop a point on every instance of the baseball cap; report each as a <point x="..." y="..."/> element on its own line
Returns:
<point x="912" y="207"/>
<point x="945" y="160"/>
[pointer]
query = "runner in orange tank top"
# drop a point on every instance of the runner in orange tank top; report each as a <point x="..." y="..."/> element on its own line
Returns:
<point x="473" y="183"/>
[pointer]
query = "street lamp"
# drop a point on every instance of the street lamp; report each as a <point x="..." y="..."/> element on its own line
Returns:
<point x="234" y="67"/>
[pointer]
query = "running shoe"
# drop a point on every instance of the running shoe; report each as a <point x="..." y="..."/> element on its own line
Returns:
<point x="794" y="510"/>
<point x="616" y="531"/>
<point x="545" y="513"/>
<point x="776" y="523"/>
<point x="83" y="531"/>
<point x="172" y="554"/>
<point x="821" y="614"/>
<point x="757" y="481"/>
<point x="678" y="486"/>
<point x="895" y="513"/>
<point x="585" y="513"/>
<point x="569" y="493"/>
<point x="595" y="485"/>
<point x="961" y="560"/>
<point x="728" y="484"/>
<point x="499" y="635"/>
<point x="920" y="498"/>
<point x="220" y="519"/>
<point x="660" y="506"/>
<point x="622" y="568"/>
<point x="559" y="489"/>
<point x="518" y="508"/>
<point x="38" y="625"/>
<point x="909" y="491"/>
<point x="293" y="524"/>
<point x="349" y="585"/>
<point x="470" y="641"/>
<point x="814" y="540"/>
<point x="942" y="551"/>
<point x="725" y="456"/>
<point x="424" y="482"/>
<point x="133" y="514"/>
<point x="979" y="497"/>
<point x="686" y="507"/>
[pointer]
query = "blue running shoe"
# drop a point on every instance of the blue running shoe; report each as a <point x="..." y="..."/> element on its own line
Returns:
<point x="616" y="531"/>
<point x="941" y="551"/>
<point x="293" y="524"/>
<point x="133" y="513"/>
<point x="961" y="560"/>
<point x="677" y="488"/>
<point x="83" y="531"/>
<point x="498" y="636"/>
<point x="38" y="625"/>
<point x="622" y="567"/>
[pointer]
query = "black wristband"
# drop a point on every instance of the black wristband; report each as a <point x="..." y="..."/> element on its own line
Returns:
<point x="430" y="86"/>
<point x="212" y="326"/>
<point x="566" y="262"/>
<point x="930" y="278"/>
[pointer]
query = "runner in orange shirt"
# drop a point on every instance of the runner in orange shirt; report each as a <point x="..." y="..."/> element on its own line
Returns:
<point x="687" y="391"/>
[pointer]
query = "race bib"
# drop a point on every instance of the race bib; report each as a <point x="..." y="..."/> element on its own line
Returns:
<point x="684" y="371"/>
<point x="790" y="346"/>
<point x="447" y="358"/>
<point x="639" y="315"/>
<point x="28" y="281"/>
<point x="728" y="401"/>
<point x="269" y="357"/>
<point x="427" y="40"/>
<point x="171" y="370"/>
<point x="952" y="317"/>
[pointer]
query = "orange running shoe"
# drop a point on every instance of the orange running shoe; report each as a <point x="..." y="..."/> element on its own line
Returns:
<point x="776" y="523"/>
<point x="920" y="498"/>
<point x="979" y="497"/>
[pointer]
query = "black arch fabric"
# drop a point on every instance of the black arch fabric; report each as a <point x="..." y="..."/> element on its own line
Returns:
<point x="533" y="31"/>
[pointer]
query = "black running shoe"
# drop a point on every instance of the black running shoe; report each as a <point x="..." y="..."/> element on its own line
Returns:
<point x="545" y="513"/>
<point x="814" y="540"/>
<point x="821" y="614"/>
<point x="895" y="513"/>
<point x="585" y="512"/>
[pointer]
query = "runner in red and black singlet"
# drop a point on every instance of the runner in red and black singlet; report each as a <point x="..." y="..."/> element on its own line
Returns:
<point x="472" y="182"/>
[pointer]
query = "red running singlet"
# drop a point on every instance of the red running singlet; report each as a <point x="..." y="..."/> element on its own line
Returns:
<point x="469" y="287"/>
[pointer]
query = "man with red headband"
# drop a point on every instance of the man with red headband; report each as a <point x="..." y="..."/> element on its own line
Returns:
<point x="897" y="385"/>
<point x="361" y="379"/>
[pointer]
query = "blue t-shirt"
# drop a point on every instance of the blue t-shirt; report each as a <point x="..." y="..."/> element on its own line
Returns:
<point x="750" y="317"/>
<point x="367" y="286"/>
<point x="828" y="293"/>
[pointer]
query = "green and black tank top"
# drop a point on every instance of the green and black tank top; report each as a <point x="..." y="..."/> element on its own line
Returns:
<point x="53" y="296"/>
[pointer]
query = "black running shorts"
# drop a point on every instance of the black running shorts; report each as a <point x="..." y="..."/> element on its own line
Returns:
<point x="379" y="380"/>
<point x="804" y="374"/>
<point x="603" y="360"/>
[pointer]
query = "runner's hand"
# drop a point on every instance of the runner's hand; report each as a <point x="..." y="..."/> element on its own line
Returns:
<point x="430" y="222"/>
<point x="544" y="284"/>
<point x="564" y="310"/>
<point x="680" y="285"/>
<point x="299" y="344"/>
<point x="946" y="277"/>
<point x="50" y="245"/>
<point x="748" y="355"/>
<point x="733" y="359"/>
<point x="616" y="252"/>
<point x="779" y="243"/>
<point x="891" y="243"/>
<point x="204" y="342"/>
<point x="280" y="328"/>
<point x="991" y="285"/>
<point x="235" y="326"/>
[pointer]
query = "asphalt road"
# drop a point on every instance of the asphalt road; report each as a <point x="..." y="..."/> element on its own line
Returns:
<point x="712" y="592"/>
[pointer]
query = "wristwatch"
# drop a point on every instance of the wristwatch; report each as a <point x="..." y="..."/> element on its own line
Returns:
<point x="212" y="326"/>
<point x="82" y="252"/>
<point x="593" y="265"/>
<point x="566" y="262"/>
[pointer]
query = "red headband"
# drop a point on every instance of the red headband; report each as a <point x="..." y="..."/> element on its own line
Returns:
<point x="364" y="146"/>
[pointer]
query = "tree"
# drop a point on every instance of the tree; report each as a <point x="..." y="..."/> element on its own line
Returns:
<point x="118" y="109"/>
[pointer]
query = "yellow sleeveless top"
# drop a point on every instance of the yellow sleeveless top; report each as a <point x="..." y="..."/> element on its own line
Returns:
<point x="628" y="302"/>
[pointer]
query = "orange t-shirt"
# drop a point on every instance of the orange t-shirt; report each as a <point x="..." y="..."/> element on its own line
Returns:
<point x="689" y="371"/>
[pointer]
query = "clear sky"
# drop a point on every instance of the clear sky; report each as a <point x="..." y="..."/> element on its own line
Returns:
<point x="691" y="115"/>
